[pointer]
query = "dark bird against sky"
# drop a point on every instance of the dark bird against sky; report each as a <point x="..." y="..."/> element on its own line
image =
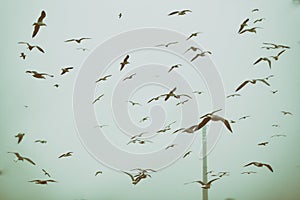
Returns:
<point x="39" y="23"/>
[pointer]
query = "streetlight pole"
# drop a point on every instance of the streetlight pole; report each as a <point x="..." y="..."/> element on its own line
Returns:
<point x="204" y="164"/>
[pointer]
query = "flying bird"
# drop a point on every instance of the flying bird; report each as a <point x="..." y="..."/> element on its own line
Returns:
<point x="278" y="135"/>
<point x="124" y="62"/>
<point x="204" y="185"/>
<point x="98" y="172"/>
<point x="243" y="25"/>
<point x="56" y="85"/>
<point x="286" y="113"/>
<point x="170" y="146"/>
<point x="129" y="77"/>
<point x="46" y="173"/>
<point x="120" y="15"/>
<point x="31" y="47"/>
<point x="186" y="154"/>
<point x="68" y="154"/>
<point x="263" y="143"/>
<point x="259" y="20"/>
<point x="179" y="12"/>
<point x="98" y="98"/>
<point x="198" y="92"/>
<point x="193" y="49"/>
<point x="174" y="67"/>
<point x="21" y="158"/>
<point x="41" y="141"/>
<point x="182" y="102"/>
<point x="166" y="45"/>
<point x="255" y="10"/>
<point x="103" y="78"/>
<point x="202" y="54"/>
<point x="100" y="126"/>
<point x="23" y="55"/>
<point x="275" y="125"/>
<point x="43" y="182"/>
<point x="65" y="70"/>
<point x="137" y="178"/>
<point x="77" y="40"/>
<point x="39" y="75"/>
<point x="193" y="35"/>
<point x="20" y="137"/>
<point x="140" y="141"/>
<point x="233" y="95"/>
<point x="138" y="136"/>
<point x="244" y="117"/>
<point x="251" y="30"/>
<point x="252" y="81"/>
<point x="275" y="46"/>
<point x="39" y="23"/>
<point x="83" y="49"/>
<point x="258" y="164"/>
<point x="178" y="130"/>
<point x="249" y="172"/>
<point x="277" y="56"/>
<point x="144" y="119"/>
<point x="134" y="103"/>
<point x="263" y="59"/>
<point x="274" y="91"/>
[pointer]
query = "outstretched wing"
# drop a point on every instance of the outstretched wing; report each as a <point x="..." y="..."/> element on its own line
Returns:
<point x="249" y="164"/>
<point x="195" y="57"/>
<point x="242" y="85"/>
<point x="36" y="30"/>
<point x="70" y="40"/>
<point x="257" y="61"/>
<point x="201" y="124"/>
<point x="269" y="167"/>
<point x="132" y="178"/>
<point x="173" y="13"/>
<point x="29" y="160"/>
<point x="227" y="125"/>
<point x="40" y="49"/>
<point x="43" y="15"/>
<point x="264" y="81"/>
<point x="212" y="181"/>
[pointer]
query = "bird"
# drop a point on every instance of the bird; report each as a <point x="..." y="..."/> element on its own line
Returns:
<point x="251" y="30"/>
<point x="101" y="126"/>
<point x="202" y="54"/>
<point x="179" y="12"/>
<point x="31" y="47"/>
<point x="258" y="164"/>
<point x="144" y="119"/>
<point x="263" y="143"/>
<point x="98" y="98"/>
<point x="244" y="117"/>
<point x="23" y="55"/>
<point x="68" y="154"/>
<point x="79" y="40"/>
<point x="136" y="179"/>
<point x="168" y="95"/>
<point x="46" y="173"/>
<point x="278" y="135"/>
<point x="221" y="174"/>
<point x="134" y="103"/>
<point x="204" y="185"/>
<point x="263" y="59"/>
<point x="243" y="25"/>
<point x="138" y="135"/>
<point x="182" y="102"/>
<point x="20" y="137"/>
<point x="56" y="85"/>
<point x="233" y="95"/>
<point x="275" y="46"/>
<point x="212" y="117"/>
<point x="170" y="146"/>
<point x="249" y="172"/>
<point x="43" y="182"/>
<point x="39" y="75"/>
<point x="21" y="158"/>
<point x="252" y="81"/>
<point x="166" y="45"/>
<point x="129" y="77"/>
<point x="98" y="172"/>
<point x="103" y="78"/>
<point x="41" y="141"/>
<point x="140" y="141"/>
<point x="191" y="129"/>
<point x="120" y="15"/>
<point x="198" y="92"/>
<point x="165" y="129"/>
<point x="209" y="172"/>
<point x="178" y="130"/>
<point x="186" y="154"/>
<point x="255" y="10"/>
<point x="193" y="35"/>
<point x="83" y="49"/>
<point x="154" y="99"/>
<point x="124" y="62"/>
<point x="274" y="91"/>
<point x="259" y="20"/>
<point x="286" y="113"/>
<point x="193" y="49"/>
<point x="39" y="23"/>
<point x="174" y="67"/>
<point x="275" y="125"/>
<point x="65" y="70"/>
<point x="277" y="56"/>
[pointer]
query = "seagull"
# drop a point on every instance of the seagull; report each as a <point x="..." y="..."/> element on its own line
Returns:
<point x="193" y="49"/>
<point x="138" y="136"/>
<point x="98" y="172"/>
<point x="251" y="30"/>
<point x="154" y="99"/>
<point x="186" y="154"/>
<point x="275" y="125"/>
<point x="202" y="54"/>
<point x="136" y="179"/>
<point x="249" y="172"/>
<point x="263" y="143"/>
<point x="233" y="95"/>
<point x="259" y="20"/>
<point x="68" y="154"/>
<point x="39" y="75"/>
<point x="168" y="95"/>
<point x="278" y="135"/>
<point x="129" y="77"/>
<point x="193" y="35"/>
<point x="275" y="46"/>
<point x="173" y="67"/>
<point x="56" y="85"/>
<point x="286" y="113"/>
<point x="124" y="62"/>
<point x="42" y="182"/>
<point x="166" y="45"/>
<point x="253" y="81"/>
<point x="140" y="141"/>
<point x="103" y="78"/>
<point x="170" y="146"/>
<point x="46" y="173"/>
<point x="204" y="185"/>
<point x="258" y="164"/>
<point x="20" y="137"/>
<point x="41" y="141"/>
<point x="198" y="92"/>
<point x="83" y="49"/>
<point x="30" y="47"/>
<point x="179" y="12"/>
<point x="65" y="70"/>
<point x="98" y="98"/>
<point x="39" y="23"/>
<point x="144" y="119"/>
<point x="263" y="59"/>
<point x="100" y="126"/>
<point x="21" y="158"/>
<point x="77" y="40"/>
<point x="120" y="15"/>
<point x="274" y="91"/>
<point x="255" y="10"/>
<point x="277" y="56"/>
<point x="182" y="102"/>
<point x="191" y="129"/>
<point x="242" y="26"/>
<point x="212" y="117"/>
<point x="134" y="103"/>
<point x="23" y="55"/>
<point x="244" y="117"/>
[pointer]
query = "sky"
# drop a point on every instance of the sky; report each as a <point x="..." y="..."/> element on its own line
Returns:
<point x="61" y="116"/>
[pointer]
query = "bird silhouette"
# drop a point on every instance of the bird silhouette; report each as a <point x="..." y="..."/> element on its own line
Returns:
<point x="191" y="129"/>
<point x="277" y="56"/>
<point x="251" y="30"/>
<point x="23" y="55"/>
<point x="275" y="46"/>
<point x="98" y="172"/>
<point x="202" y="54"/>
<point x="178" y="130"/>
<point x="174" y="67"/>
<point x="249" y="172"/>
<point x="46" y="173"/>
<point x="179" y="12"/>
<point x="259" y="20"/>
<point x="252" y="81"/>
<point x="204" y="185"/>
<point x="193" y="35"/>
<point x="286" y="113"/>
<point x="56" y="85"/>
<point x="98" y="98"/>
<point x="278" y="135"/>
<point x="68" y="154"/>
<point x="166" y="45"/>
<point x="134" y="103"/>
<point x="136" y="179"/>
<point x="129" y="77"/>
<point x="244" y="117"/>
<point x="186" y="154"/>
<point x="144" y="119"/>
<point x="274" y="91"/>
<point x="41" y="141"/>
<point x="182" y="102"/>
<point x="263" y="59"/>
<point x="65" y="70"/>
<point x="255" y="10"/>
<point x="263" y="143"/>
<point x="21" y="158"/>
<point x="120" y="15"/>
<point x="79" y="40"/>
<point x="139" y="141"/>
<point x="20" y="137"/>
<point x="124" y="62"/>
<point x="193" y="49"/>
<point x="258" y="164"/>
<point x="275" y="125"/>
<point x="170" y="146"/>
<point x="83" y="49"/>
<point x="103" y="78"/>
<point x="101" y="126"/>
<point x="243" y="25"/>
<point x="39" y="23"/>
<point x="233" y="95"/>
<point x="39" y="75"/>
<point x="138" y="135"/>
<point x="31" y="47"/>
<point x="198" y="92"/>
<point x="43" y="182"/>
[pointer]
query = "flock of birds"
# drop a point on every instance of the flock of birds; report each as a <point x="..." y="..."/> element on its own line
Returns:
<point x="136" y="175"/>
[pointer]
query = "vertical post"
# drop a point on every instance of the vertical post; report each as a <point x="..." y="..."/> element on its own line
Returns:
<point x="204" y="164"/>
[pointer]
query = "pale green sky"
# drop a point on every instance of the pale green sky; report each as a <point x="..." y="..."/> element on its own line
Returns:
<point x="50" y="112"/>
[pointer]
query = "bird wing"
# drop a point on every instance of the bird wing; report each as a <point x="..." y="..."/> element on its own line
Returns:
<point x="269" y="167"/>
<point x="19" y="139"/>
<point x="201" y="124"/>
<point x="227" y="125"/>
<point x="212" y="181"/>
<point x="29" y="160"/>
<point x="173" y="13"/>
<point x="202" y="183"/>
<point x="70" y="40"/>
<point x="126" y="58"/>
<point x="249" y="164"/>
<point x="264" y="81"/>
<point x="242" y="85"/>
<point x="36" y="30"/>
<point x="184" y="95"/>
<point x="281" y="52"/>
<point x="53" y="181"/>
<point x="132" y="178"/>
<point x="23" y="43"/>
<point x="84" y="39"/>
<point x="197" y="55"/>
<point x="257" y="61"/>
<point x="40" y="49"/>
<point x="186" y="11"/>
<point x="186" y="154"/>
<point x="43" y="15"/>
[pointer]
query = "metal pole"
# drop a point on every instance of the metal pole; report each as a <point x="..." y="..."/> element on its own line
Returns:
<point x="204" y="164"/>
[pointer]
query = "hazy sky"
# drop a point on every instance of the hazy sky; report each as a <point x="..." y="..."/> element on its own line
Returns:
<point x="50" y="113"/>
